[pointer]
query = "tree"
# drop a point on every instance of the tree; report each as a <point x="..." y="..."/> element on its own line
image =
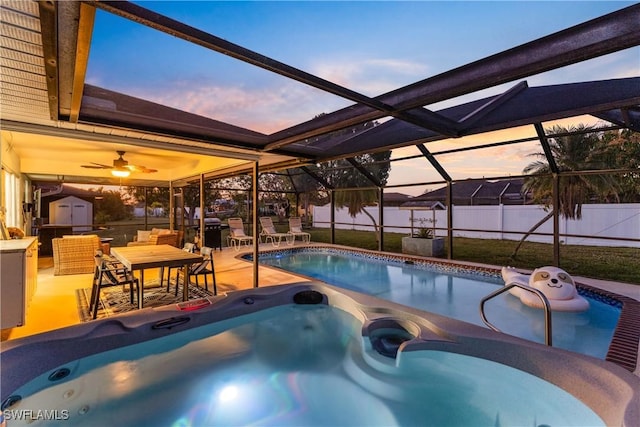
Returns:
<point x="621" y="149"/>
<point x="577" y="149"/>
<point x="153" y="196"/>
<point x="342" y="174"/>
<point x="191" y="199"/>
<point x="110" y="207"/>
<point x="276" y="188"/>
<point x="312" y="191"/>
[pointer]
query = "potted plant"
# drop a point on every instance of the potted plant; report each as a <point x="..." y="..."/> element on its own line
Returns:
<point x="423" y="242"/>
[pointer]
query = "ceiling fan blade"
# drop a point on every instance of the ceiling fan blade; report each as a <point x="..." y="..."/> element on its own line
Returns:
<point x="138" y="168"/>
<point x="96" y="166"/>
<point x="119" y="164"/>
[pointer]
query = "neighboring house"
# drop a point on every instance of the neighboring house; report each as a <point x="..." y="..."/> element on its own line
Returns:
<point x="140" y="207"/>
<point x="395" y="199"/>
<point x="479" y="192"/>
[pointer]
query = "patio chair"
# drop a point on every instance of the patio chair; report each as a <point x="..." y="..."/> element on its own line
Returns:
<point x="237" y="237"/>
<point x="270" y="234"/>
<point x="109" y="272"/>
<point x="295" y="229"/>
<point x="188" y="247"/>
<point x="203" y="268"/>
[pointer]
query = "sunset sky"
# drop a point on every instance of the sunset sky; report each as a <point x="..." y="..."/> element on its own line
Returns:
<point x="369" y="47"/>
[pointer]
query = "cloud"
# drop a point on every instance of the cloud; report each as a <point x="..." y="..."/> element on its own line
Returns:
<point x="266" y="109"/>
<point x="279" y="104"/>
<point x="370" y="76"/>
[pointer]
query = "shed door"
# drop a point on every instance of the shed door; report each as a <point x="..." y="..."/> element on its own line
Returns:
<point x="80" y="217"/>
<point x="63" y="214"/>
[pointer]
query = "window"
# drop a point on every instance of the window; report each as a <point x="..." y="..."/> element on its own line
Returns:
<point x="11" y="200"/>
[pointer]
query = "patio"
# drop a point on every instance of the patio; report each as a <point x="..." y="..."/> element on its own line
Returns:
<point x="55" y="305"/>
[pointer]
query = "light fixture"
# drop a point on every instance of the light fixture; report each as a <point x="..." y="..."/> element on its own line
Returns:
<point x="120" y="172"/>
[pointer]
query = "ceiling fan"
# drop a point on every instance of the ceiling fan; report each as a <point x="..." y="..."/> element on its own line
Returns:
<point x="121" y="168"/>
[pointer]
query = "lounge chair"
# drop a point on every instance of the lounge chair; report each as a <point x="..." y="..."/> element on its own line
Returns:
<point x="270" y="234"/>
<point x="295" y="229"/>
<point x="237" y="237"/>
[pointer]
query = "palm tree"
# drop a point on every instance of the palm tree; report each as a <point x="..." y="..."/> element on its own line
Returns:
<point x="356" y="201"/>
<point x="574" y="149"/>
<point x="342" y="174"/>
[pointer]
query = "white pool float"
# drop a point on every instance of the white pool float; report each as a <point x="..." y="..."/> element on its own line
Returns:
<point x="555" y="283"/>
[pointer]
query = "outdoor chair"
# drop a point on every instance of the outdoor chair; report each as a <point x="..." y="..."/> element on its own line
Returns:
<point x="109" y="272"/>
<point x="203" y="268"/>
<point x="237" y="237"/>
<point x="295" y="229"/>
<point x="270" y="234"/>
<point x="74" y="254"/>
<point x="188" y="247"/>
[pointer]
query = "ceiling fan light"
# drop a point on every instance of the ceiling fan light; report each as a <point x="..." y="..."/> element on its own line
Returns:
<point x="120" y="172"/>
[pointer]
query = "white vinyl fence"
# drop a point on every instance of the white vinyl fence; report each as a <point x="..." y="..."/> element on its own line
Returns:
<point x="505" y="222"/>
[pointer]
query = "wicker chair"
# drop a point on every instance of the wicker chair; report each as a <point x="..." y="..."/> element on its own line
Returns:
<point x="74" y="254"/>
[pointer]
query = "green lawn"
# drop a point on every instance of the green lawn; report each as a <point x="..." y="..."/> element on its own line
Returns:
<point x="598" y="262"/>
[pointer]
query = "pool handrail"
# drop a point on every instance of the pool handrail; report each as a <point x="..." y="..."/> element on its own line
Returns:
<point x="545" y="305"/>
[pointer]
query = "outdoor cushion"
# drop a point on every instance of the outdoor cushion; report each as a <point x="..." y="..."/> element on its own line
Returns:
<point x="237" y="232"/>
<point x="143" y="236"/>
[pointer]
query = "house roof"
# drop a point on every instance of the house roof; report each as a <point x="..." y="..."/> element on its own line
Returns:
<point x="64" y="190"/>
<point x="395" y="197"/>
<point x="418" y="205"/>
<point x="477" y="190"/>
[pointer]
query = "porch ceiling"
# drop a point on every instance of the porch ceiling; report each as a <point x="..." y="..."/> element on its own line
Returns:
<point x="55" y="122"/>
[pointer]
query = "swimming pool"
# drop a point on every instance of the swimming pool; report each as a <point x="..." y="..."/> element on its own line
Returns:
<point x="454" y="291"/>
<point x="303" y="354"/>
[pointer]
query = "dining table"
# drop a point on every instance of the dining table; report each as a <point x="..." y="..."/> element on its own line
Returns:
<point x="155" y="256"/>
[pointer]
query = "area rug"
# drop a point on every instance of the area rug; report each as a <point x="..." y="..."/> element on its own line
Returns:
<point x="115" y="300"/>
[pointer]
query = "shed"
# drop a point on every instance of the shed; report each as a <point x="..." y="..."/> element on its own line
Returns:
<point x="72" y="211"/>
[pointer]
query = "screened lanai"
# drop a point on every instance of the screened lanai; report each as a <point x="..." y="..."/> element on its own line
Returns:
<point x="57" y="116"/>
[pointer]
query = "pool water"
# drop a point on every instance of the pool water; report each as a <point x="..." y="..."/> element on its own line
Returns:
<point x="453" y="295"/>
<point x="295" y="365"/>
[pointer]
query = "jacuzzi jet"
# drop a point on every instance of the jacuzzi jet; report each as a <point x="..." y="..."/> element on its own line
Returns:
<point x="308" y="297"/>
<point x="59" y="374"/>
<point x="249" y="300"/>
<point x="387" y="335"/>
<point x="388" y="345"/>
<point x="10" y="401"/>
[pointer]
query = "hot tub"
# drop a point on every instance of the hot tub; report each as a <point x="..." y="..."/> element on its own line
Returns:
<point x="303" y="354"/>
